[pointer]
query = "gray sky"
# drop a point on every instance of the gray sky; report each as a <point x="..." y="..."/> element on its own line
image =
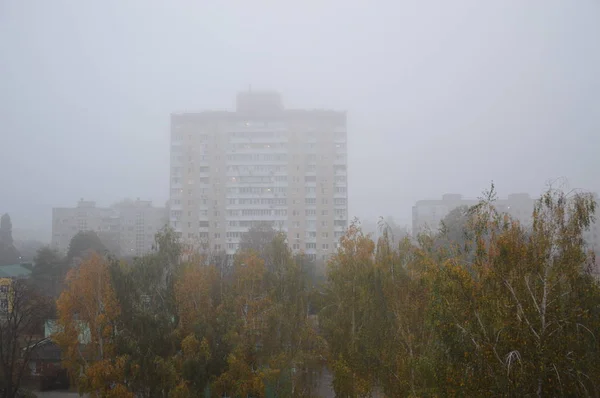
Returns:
<point x="442" y="96"/>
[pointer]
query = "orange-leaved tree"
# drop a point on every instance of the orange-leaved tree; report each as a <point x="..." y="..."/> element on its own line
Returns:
<point x="88" y="310"/>
<point x="194" y="296"/>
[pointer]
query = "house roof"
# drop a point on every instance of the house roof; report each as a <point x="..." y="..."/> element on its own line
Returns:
<point x="14" y="271"/>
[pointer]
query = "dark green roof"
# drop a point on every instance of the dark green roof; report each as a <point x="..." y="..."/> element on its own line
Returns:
<point x="14" y="271"/>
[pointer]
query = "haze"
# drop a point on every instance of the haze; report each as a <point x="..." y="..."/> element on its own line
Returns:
<point x="441" y="96"/>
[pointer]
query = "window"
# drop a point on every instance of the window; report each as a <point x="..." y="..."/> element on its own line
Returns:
<point x="323" y="212"/>
<point x="310" y="212"/>
<point x="296" y="246"/>
<point x="217" y="235"/>
<point x="310" y="201"/>
<point x="311" y="245"/>
<point x="324" y="201"/>
<point x="325" y="235"/>
<point x="296" y="224"/>
<point x="325" y="246"/>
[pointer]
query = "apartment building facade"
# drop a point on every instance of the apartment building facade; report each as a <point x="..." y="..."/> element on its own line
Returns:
<point x="127" y="227"/>
<point x="261" y="163"/>
<point x="592" y="234"/>
<point x="428" y="214"/>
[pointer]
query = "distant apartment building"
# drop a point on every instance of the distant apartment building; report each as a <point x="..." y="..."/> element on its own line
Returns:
<point x="261" y="163"/>
<point x="592" y="234"/>
<point x="127" y="227"/>
<point x="427" y="214"/>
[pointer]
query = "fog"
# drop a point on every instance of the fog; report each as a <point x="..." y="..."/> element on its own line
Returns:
<point x="441" y="96"/>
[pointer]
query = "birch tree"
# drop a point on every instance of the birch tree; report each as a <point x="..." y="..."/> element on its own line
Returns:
<point x="88" y="310"/>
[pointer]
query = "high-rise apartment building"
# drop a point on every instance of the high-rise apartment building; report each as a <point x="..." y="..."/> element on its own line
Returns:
<point x="260" y="163"/>
<point x="126" y="228"/>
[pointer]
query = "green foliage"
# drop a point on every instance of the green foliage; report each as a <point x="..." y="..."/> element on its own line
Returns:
<point x="8" y="253"/>
<point x="488" y="307"/>
<point x="49" y="272"/>
<point x="82" y="244"/>
<point x="6" y="229"/>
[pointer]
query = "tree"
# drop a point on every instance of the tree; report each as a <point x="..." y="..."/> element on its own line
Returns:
<point x="6" y="230"/>
<point x="84" y="243"/>
<point x="348" y="312"/>
<point x="148" y="338"/>
<point x="8" y="253"/>
<point x="455" y="229"/>
<point x="88" y="307"/>
<point x="395" y="232"/>
<point x="519" y="315"/>
<point x="195" y="297"/>
<point x="259" y="238"/>
<point x="21" y="331"/>
<point x="49" y="272"/>
<point x="511" y="312"/>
